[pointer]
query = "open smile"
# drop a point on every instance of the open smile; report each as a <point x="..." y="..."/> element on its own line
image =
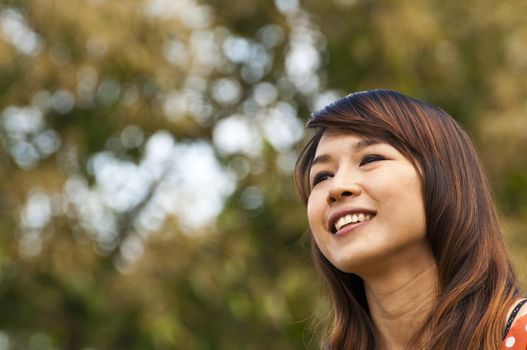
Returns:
<point x="349" y="218"/>
<point x="349" y="227"/>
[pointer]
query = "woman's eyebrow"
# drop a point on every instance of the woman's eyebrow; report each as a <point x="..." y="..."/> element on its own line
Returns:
<point x="356" y="147"/>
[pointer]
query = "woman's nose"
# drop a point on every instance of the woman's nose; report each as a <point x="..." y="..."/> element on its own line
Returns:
<point x="341" y="188"/>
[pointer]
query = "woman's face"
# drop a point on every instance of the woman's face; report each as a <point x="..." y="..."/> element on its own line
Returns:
<point x="366" y="207"/>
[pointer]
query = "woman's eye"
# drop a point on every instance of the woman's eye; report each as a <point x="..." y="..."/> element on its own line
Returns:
<point x="371" y="158"/>
<point x="320" y="177"/>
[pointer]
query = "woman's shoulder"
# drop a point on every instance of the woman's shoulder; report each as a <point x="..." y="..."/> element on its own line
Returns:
<point x="516" y="338"/>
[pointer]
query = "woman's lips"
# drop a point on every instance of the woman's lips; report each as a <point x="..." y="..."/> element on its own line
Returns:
<point x="348" y="215"/>
<point x="350" y="227"/>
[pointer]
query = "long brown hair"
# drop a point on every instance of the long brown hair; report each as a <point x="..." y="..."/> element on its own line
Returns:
<point x="476" y="279"/>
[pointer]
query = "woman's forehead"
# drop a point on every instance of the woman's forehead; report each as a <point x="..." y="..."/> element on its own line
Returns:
<point x="351" y="141"/>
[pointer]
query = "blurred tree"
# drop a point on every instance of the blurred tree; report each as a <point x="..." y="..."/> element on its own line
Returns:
<point x="147" y="148"/>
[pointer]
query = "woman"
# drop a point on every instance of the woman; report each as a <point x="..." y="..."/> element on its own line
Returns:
<point x="405" y="231"/>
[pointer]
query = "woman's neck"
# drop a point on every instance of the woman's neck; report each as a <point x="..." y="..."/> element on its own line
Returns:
<point x="400" y="299"/>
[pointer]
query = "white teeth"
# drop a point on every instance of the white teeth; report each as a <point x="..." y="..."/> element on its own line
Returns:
<point x="352" y="218"/>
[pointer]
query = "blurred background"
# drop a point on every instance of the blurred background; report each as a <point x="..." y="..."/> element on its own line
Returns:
<point x="147" y="148"/>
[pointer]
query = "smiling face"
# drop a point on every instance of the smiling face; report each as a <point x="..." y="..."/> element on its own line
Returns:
<point x="365" y="208"/>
